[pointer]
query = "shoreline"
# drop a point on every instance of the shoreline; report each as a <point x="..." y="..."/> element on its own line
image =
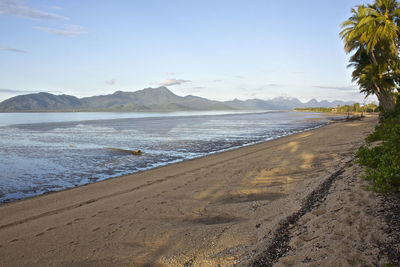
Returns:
<point x="214" y="209"/>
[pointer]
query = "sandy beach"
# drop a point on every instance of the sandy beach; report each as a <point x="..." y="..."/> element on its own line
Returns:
<point x="221" y="209"/>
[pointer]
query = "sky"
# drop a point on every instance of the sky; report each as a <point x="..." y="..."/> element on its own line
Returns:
<point x="216" y="49"/>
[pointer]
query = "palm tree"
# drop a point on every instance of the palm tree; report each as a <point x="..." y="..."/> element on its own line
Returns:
<point x="381" y="24"/>
<point x="374" y="78"/>
<point x="372" y="33"/>
<point x="351" y="34"/>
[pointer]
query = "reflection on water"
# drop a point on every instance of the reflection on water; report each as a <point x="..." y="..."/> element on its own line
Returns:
<point x="39" y="157"/>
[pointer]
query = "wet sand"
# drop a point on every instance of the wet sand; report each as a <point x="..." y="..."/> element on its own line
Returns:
<point x="221" y="209"/>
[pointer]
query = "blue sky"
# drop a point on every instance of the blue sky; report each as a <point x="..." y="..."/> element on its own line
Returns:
<point x="211" y="48"/>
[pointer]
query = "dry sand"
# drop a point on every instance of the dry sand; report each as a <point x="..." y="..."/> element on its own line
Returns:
<point x="221" y="209"/>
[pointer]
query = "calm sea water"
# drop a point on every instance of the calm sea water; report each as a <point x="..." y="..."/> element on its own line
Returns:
<point x="44" y="152"/>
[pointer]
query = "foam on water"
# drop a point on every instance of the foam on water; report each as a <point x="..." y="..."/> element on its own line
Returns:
<point x="41" y="157"/>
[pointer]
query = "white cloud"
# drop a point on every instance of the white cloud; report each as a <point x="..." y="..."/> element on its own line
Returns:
<point x="340" y="88"/>
<point x="69" y="30"/>
<point x="57" y="8"/>
<point x="10" y="49"/>
<point x="14" y="91"/>
<point x="270" y="70"/>
<point x="111" y="82"/>
<point x="18" y="8"/>
<point x="171" y="82"/>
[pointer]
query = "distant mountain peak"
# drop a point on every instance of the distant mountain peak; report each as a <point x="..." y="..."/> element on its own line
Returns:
<point x="161" y="88"/>
<point x="118" y="92"/>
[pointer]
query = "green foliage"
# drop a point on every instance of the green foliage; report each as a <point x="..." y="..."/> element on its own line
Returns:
<point x="384" y="128"/>
<point x="343" y="109"/>
<point x="383" y="159"/>
<point x="371" y="107"/>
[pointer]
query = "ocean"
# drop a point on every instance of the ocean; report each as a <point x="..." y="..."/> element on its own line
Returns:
<point x="47" y="152"/>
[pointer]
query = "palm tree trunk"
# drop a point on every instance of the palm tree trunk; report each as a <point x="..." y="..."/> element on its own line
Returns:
<point x="386" y="98"/>
<point x="386" y="101"/>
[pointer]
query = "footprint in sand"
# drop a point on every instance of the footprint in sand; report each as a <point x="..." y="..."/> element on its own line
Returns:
<point x="15" y="240"/>
<point x="319" y="212"/>
<point x="51" y="250"/>
<point x="75" y="220"/>
<point x="73" y="243"/>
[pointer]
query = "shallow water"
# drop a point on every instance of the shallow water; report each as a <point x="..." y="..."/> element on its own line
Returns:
<point x="44" y="152"/>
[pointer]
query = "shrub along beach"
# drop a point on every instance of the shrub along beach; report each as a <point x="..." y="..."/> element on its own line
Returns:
<point x="355" y="108"/>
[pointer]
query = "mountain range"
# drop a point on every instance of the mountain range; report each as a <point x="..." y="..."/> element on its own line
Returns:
<point x="149" y="99"/>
